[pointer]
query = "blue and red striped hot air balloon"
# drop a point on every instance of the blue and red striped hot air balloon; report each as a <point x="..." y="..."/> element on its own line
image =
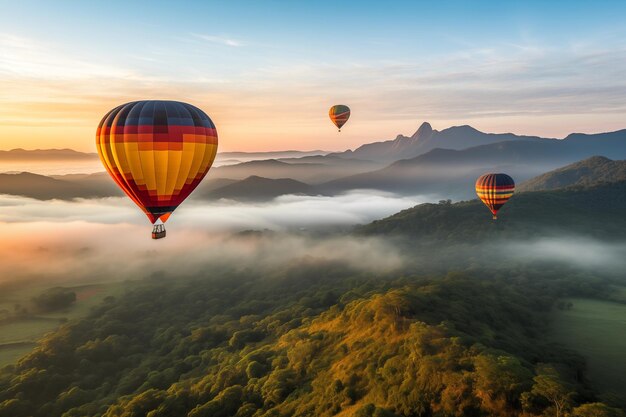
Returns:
<point x="157" y="152"/>
<point x="494" y="190"/>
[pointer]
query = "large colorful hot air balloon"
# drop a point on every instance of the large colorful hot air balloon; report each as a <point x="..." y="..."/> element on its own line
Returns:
<point x="494" y="190"/>
<point x="157" y="152"/>
<point x="339" y="114"/>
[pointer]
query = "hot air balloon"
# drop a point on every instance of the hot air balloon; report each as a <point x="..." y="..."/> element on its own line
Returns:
<point x="494" y="190"/>
<point x="339" y="114"/>
<point x="157" y="152"/>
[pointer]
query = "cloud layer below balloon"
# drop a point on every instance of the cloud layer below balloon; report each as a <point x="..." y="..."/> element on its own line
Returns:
<point x="109" y="238"/>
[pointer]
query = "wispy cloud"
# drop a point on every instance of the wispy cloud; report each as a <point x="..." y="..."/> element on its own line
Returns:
<point x="522" y="87"/>
<point x="222" y="40"/>
<point x="24" y="58"/>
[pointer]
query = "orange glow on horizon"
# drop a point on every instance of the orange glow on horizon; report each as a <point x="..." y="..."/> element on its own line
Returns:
<point x="255" y="134"/>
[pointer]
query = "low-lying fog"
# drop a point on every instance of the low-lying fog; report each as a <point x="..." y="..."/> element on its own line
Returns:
<point x="285" y="212"/>
<point x="92" y="240"/>
<point x="110" y="238"/>
<point x="52" y="167"/>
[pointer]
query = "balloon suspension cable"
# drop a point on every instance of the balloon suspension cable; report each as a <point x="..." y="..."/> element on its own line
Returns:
<point x="158" y="231"/>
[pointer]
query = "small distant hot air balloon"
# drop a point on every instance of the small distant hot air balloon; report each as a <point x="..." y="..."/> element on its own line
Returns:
<point x="494" y="190"/>
<point x="157" y="152"/>
<point x="339" y="114"/>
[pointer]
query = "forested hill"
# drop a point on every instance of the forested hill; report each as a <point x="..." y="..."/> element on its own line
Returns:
<point x="588" y="172"/>
<point x="596" y="211"/>
<point x="312" y="339"/>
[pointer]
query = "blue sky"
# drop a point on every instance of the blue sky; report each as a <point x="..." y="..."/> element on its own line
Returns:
<point x="267" y="71"/>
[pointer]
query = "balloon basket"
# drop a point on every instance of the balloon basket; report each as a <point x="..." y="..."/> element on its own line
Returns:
<point x="158" y="231"/>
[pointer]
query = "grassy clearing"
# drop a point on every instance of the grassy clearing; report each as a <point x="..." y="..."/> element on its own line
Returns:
<point x="19" y="336"/>
<point x="11" y="353"/>
<point x="26" y="330"/>
<point x="619" y="294"/>
<point x="597" y="330"/>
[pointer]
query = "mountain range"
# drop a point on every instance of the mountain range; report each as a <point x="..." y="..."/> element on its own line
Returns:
<point x="450" y="172"/>
<point x="440" y="163"/>
<point x="46" y="188"/>
<point x="426" y="139"/>
<point x="312" y="170"/>
<point x="222" y="158"/>
<point x="45" y="154"/>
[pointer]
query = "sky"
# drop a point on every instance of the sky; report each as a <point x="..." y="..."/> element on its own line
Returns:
<point x="266" y="72"/>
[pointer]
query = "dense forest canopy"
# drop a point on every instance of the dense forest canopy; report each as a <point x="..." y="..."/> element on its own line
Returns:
<point x="316" y="339"/>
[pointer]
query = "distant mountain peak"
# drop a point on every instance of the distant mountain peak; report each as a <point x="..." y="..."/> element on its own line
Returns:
<point x="597" y="158"/>
<point x="463" y="129"/>
<point x="425" y="131"/>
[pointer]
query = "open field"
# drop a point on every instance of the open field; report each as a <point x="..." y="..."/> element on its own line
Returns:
<point x="597" y="330"/>
<point x="19" y="335"/>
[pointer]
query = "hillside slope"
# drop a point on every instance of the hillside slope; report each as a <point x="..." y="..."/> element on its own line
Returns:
<point x="594" y="211"/>
<point x="42" y="187"/>
<point x="588" y="172"/>
<point x="322" y="170"/>
<point x="256" y="188"/>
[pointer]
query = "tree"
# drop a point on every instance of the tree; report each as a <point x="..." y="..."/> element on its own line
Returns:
<point x="54" y="299"/>
<point x="548" y="384"/>
<point x="499" y="381"/>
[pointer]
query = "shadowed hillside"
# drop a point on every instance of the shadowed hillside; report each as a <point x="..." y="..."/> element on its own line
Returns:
<point x="594" y="211"/>
<point x="591" y="171"/>
<point x="42" y="187"/>
<point x="256" y="188"/>
<point x="322" y="170"/>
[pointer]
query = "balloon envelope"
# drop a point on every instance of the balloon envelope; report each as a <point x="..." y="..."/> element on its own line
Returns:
<point x="339" y="114"/>
<point x="157" y="152"/>
<point x="494" y="190"/>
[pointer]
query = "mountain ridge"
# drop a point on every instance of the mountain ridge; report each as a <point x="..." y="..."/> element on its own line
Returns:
<point x="39" y="154"/>
<point x="426" y="139"/>
<point x="572" y="210"/>
<point x="590" y="171"/>
<point x="255" y="188"/>
<point x="451" y="171"/>
<point x="42" y="187"/>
